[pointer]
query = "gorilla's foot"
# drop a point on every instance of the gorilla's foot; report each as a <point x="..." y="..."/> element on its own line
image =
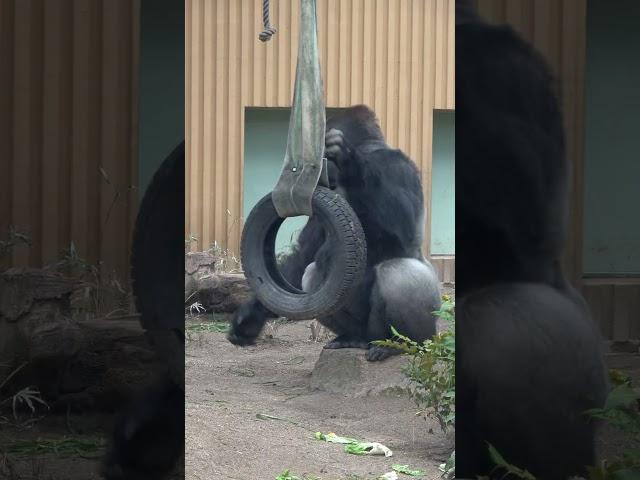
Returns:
<point x="240" y="340"/>
<point x="376" y="354"/>
<point x="345" y="341"/>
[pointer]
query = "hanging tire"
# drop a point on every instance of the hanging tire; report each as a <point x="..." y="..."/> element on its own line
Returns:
<point x="345" y="272"/>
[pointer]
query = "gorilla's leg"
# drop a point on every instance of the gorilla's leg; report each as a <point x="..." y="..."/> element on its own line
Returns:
<point x="349" y="322"/>
<point x="405" y="295"/>
<point x="351" y="338"/>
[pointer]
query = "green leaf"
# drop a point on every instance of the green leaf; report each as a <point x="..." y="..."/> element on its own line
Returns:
<point x="500" y="462"/>
<point x="626" y="474"/>
<point x="621" y="396"/>
<point x="287" y="476"/>
<point x="333" y="438"/>
<point x="356" y="449"/>
<point x="407" y="471"/>
<point x="496" y="457"/>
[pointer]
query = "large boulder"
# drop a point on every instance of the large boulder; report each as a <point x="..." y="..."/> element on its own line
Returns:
<point x="347" y="371"/>
<point x="217" y="291"/>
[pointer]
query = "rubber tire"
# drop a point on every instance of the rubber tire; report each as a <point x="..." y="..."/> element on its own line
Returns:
<point x="260" y="265"/>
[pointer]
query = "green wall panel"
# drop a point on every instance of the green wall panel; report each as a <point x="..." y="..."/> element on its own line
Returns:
<point x="612" y="138"/>
<point x="265" y="144"/>
<point x="443" y="233"/>
<point x="161" y="84"/>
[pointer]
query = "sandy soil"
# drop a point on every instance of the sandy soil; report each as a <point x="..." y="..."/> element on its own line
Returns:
<point x="228" y="386"/>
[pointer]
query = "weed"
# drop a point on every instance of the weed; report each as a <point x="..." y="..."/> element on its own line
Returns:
<point x="217" y="327"/>
<point x="13" y="239"/>
<point x="225" y="260"/>
<point x="86" y="447"/>
<point x="101" y="292"/>
<point x="431" y="368"/>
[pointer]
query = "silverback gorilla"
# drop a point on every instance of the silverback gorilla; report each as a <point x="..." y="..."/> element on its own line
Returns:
<point x="528" y="358"/>
<point x="400" y="287"/>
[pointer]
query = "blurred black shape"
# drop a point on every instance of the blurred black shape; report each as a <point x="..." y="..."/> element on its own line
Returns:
<point x="148" y="437"/>
<point x="529" y="358"/>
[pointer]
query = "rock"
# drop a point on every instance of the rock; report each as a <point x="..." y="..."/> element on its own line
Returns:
<point x="48" y="334"/>
<point x="89" y="364"/>
<point x="20" y="287"/>
<point x="347" y="371"/>
<point x="35" y="327"/>
<point x="217" y="291"/>
<point x="195" y="262"/>
<point x="224" y="292"/>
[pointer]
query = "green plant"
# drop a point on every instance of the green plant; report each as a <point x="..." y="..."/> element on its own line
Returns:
<point x="103" y="294"/>
<point x="501" y="465"/>
<point x="226" y="261"/>
<point x="188" y="241"/>
<point x="217" y="327"/>
<point x="431" y="368"/>
<point x="448" y="468"/>
<point x="622" y="411"/>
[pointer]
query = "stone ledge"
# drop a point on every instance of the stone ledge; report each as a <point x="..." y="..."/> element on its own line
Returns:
<point x="348" y="372"/>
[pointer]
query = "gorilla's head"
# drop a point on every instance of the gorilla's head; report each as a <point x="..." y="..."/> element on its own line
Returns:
<point x="358" y="123"/>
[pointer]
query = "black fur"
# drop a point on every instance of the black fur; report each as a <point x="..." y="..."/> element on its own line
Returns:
<point x="529" y="359"/>
<point x="383" y="187"/>
<point x="148" y="438"/>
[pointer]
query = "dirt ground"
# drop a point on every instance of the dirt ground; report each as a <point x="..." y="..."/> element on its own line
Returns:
<point x="227" y="386"/>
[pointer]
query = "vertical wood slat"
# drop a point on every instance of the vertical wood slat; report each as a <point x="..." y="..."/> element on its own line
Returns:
<point x="615" y="305"/>
<point x="69" y="105"/>
<point x="7" y="48"/>
<point x="379" y="52"/>
<point x="27" y="133"/>
<point x="626" y="307"/>
<point x="558" y="29"/>
<point x="445" y="266"/>
<point x="188" y="11"/>
<point x="600" y="301"/>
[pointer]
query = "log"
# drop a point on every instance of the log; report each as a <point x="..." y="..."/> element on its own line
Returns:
<point x="91" y="364"/>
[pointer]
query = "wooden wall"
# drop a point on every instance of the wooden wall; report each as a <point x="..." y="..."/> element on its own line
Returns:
<point x="558" y="29"/>
<point x="397" y="56"/>
<point x="615" y="304"/>
<point x="68" y="108"/>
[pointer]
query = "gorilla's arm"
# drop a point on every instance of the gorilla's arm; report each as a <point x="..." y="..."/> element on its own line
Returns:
<point x="250" y="318"/>
<point x="385" y="192"/>
<point x="309" y="241"/>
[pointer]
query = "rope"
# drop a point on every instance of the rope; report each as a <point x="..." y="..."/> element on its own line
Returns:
<point x="269" y="30"/>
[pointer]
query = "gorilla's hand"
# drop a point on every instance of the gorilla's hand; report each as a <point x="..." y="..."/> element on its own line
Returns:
<point x="336" y="147"/>
<point x="247" y="323"/>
